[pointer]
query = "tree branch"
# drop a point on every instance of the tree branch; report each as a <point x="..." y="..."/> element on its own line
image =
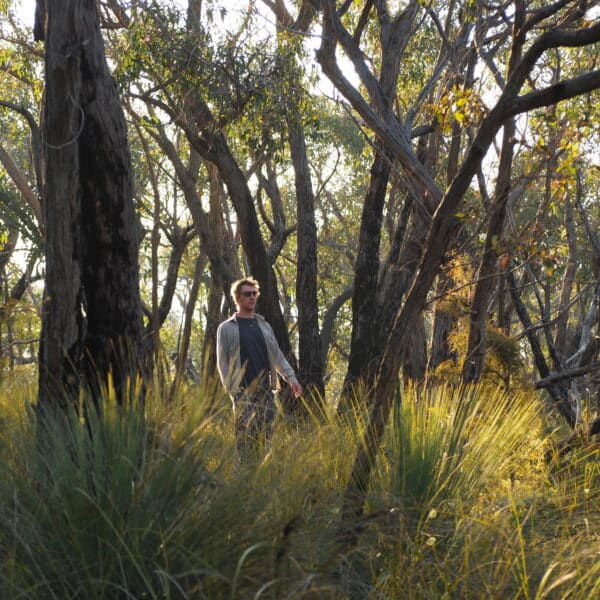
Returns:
<point x="567" y="374"/>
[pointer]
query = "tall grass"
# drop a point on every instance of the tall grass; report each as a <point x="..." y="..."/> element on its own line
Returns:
<point x="466" y="507"/>
<point x="446" y="443"/>
<point x="155" y="504"/>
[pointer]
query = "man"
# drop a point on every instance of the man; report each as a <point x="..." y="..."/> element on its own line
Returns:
<point x="249" y="360"/>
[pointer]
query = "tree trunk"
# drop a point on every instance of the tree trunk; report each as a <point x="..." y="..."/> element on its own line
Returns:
<point x="329" y="321"/>
<point x="557" y="391"/>
<point x="213" y="318"/>
<point x="184" y="342"/>
<point x="252" y="242"/>
<point x="562" y="320"/>
<point x="310" y="360"/>
<point x="441" y="232"/>
<point x="152" y="334"/>
<point x="444" y="324"/>
<point x="414" y="353"/>
<point x="485" y="280"/>
<point x="366" y="273"/>
<point x="91" y="227"/>
<point x="180" y="241"/>
<point x="62" y="321"/>
<point x="110" y="228"/>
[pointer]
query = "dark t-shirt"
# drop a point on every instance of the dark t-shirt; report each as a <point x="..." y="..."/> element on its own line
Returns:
<point x="253" y="353"/>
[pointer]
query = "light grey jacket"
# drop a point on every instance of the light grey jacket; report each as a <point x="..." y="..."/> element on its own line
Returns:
<point x="228" y="355"/>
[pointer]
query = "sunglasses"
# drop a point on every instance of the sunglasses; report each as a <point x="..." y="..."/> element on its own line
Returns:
<point x="248" y="294"/>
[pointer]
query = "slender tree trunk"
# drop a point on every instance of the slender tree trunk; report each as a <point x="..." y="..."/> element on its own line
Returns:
<point x="485" y="280"/>
<point x="443" y="325"/>
<point x="179" y="241"/>
<point x="184" y="342"/>
<point x="560" y="340"/>
<point x="219" y="285"/>
<point x="505" y="308"/>
<point x="152" y="335"/>
<point x="252" y="241"/>
<point x="310" y="360"/>
<point x="310" y="363"/>
<point x="10" y="338"/>
<point x="213" y="318"/>
<point x="557" y="391"/>
<point x="329" y="322"/>
<point x="399" y="270"/>
<point x="366" y="274"/>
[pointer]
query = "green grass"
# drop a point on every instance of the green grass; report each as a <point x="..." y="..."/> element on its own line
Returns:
<point x="157" y="505"/>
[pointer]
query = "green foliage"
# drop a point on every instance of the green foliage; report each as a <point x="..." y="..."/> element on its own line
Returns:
<point x="93" y="505"/>
<point x="18" y="215"/>
<point x="245" y="80"/>
<point x="462" y="507"/>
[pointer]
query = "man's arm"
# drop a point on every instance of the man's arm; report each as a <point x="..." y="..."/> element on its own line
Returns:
<point x="285" y="370"/>
<point x="223" y="365"/>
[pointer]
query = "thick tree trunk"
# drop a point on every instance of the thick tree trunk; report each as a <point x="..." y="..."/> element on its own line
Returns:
<point x="109" y="225"/>
<point x="414" y="353"/>
<point x="92" y="232"/>
<point x="62" y="321"/>
<point x="384" y="287"/>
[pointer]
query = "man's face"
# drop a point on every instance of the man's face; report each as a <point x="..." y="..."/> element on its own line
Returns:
<point x="247" y="297"/>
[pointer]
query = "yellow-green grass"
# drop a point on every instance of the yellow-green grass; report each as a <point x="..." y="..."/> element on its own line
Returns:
<point x="156" y="503"/>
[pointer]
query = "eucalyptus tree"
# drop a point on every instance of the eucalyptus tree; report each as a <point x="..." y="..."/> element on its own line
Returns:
<point x="533" y="32"/>
<point x="204" y="88"/>
<point x="92" y="317"/>
<point x="15" y="278"/>
<point x="311" y="362"/>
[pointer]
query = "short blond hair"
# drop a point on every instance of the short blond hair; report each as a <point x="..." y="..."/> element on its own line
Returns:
<point x="236" y="286"/>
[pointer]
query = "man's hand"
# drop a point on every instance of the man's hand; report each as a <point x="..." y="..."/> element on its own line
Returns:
<point x="297" y="389"/>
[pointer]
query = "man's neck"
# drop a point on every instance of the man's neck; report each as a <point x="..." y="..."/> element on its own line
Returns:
<point x="245" y="314"/>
